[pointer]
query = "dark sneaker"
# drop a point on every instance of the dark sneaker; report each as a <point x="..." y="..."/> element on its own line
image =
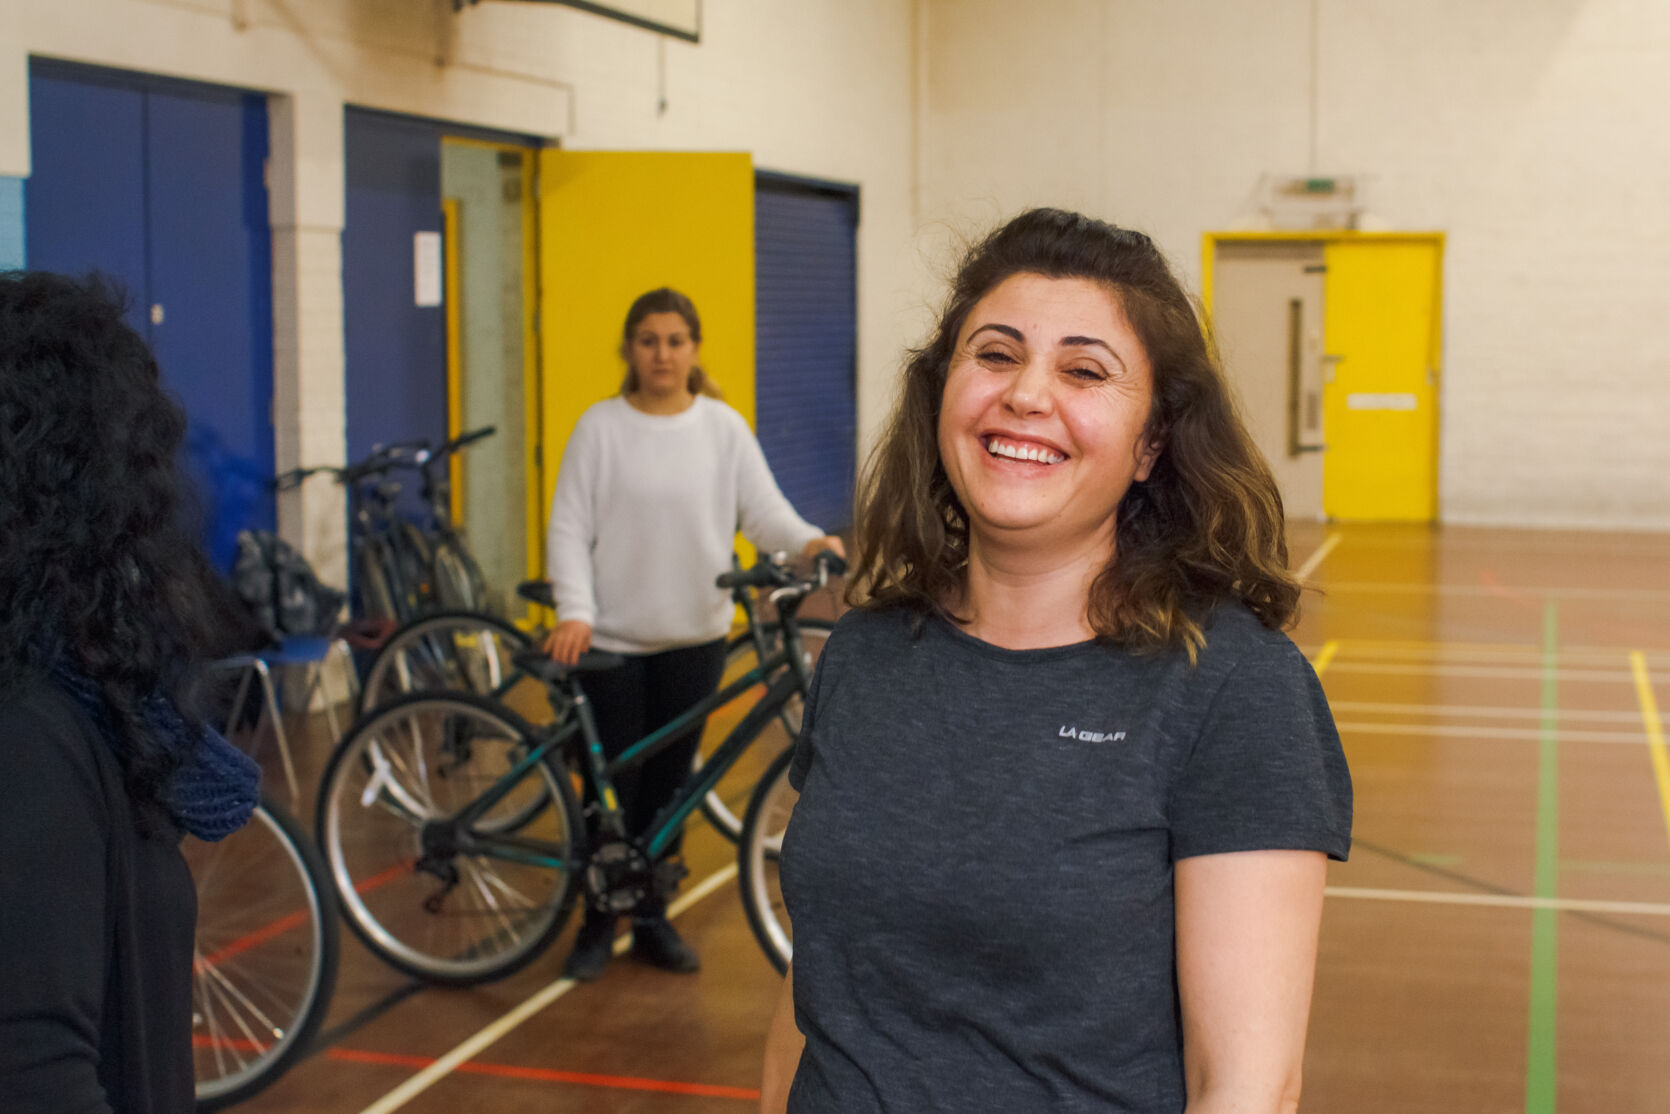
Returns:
<point x="657" y="943"/>
<point x="593" y="946"/>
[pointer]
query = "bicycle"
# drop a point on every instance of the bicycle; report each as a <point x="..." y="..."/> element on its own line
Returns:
<point x="456" y="579"/>
<point x="462" y="651"/>
<point x="389" y="573"/>
<point x="265" y="957"/>
<point x="451" y="828"/>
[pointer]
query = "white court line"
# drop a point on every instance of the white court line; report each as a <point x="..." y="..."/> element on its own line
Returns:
<point x="1502" y="672"/>
<point x="1506" y="901"/>
<point x="1303" y="572"/>
<point x="1485" y="653"/>
<point x="1513" y="734"/>
<point x="1476" y="711"/>
<point x="472" y="1047"/>
<point x="1370" y="587"/>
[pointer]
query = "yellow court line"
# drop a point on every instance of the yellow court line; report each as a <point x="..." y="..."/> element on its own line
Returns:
<point x="1324" y="656"/>
<point x="1655" y="732"/>
<point x="1303" y="572"/>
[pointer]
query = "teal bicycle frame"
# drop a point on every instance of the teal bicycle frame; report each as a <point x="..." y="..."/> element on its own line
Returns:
<point x="784" y="683"/>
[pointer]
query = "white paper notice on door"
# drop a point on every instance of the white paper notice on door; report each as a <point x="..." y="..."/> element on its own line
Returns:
<point x="426" y="268"/>
<point x="1363" y="401"/>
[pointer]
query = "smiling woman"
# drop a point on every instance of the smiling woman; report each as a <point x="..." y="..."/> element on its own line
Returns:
<point x="1064" y="525"/>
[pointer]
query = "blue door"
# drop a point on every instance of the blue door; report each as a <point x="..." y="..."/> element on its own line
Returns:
<point x="806" y="342"/>
<point x="396" y="349"/>
<point x="161" y="185"/>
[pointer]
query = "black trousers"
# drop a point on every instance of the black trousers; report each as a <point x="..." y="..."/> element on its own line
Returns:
<point x="648" y="692"/>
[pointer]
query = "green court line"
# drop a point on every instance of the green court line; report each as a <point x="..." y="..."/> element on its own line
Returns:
<point x="1541" y="1045"/>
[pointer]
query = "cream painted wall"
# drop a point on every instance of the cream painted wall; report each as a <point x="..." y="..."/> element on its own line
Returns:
<point x="823" y="88"/>
<point x="1530" y="133"/>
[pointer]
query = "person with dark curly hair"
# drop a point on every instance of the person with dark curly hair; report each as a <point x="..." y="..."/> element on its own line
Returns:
<point x="105" y="620"/>
<point x="1067" y="790"/>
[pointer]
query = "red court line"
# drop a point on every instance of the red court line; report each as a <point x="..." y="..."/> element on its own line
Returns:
<point x="293" y="920"/>
<point x="548" y="1075"/>
<point x="254" y="939"/>
<point x="237" y="1044"/>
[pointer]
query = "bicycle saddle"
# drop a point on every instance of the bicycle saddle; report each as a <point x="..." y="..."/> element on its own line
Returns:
<point x="537" y="591"/>
<point x="535" y="663"/>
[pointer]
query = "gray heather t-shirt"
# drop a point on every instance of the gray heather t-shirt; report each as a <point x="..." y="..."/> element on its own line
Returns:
<point x="979" y="870"/>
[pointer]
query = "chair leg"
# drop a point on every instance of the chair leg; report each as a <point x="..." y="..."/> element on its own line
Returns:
<point x="235" y="712"/>
<point x="277" y="714"/>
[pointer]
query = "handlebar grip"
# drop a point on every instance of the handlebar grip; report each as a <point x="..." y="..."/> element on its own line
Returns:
<point x="470" y="438"/>
<point x="762" y="575"/>
<point x="831" y="562"/>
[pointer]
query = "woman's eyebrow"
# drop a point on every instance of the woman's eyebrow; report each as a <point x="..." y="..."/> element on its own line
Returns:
<point x="1092" y="342"/>
<point x="1006" y="330"/>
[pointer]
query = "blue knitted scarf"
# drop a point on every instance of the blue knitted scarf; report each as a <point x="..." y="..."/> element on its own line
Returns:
<point x="213" y="791"/>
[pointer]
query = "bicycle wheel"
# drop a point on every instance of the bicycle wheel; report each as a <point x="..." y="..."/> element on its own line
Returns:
<point x="451" y="651"/>
<point x="265" y="958"/>
<point x="376" y="593"/>
<point x="723" y="805"/>
<point x="442" y="904"/>
<point x="759" y="851"/>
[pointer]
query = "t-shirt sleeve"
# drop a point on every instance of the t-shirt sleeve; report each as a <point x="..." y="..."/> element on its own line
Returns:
<point x="1267" y="771"/>
<point x="52" y="917"/>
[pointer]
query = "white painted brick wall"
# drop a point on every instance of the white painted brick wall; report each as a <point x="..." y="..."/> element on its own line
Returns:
<point x="1531" y="133"/>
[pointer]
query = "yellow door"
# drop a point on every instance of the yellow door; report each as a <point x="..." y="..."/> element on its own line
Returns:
<point x="613" y="225"/>
<point x="1380" y="333"/>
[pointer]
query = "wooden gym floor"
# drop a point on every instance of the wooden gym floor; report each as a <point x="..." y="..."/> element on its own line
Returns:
<point x="1499" y="941"/>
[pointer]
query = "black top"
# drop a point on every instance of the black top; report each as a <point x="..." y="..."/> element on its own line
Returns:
<point x="979" y="869"/>
<point x="96" y="925"/>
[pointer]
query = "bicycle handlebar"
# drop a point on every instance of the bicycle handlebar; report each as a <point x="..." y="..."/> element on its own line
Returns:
<point x="401" y="454"/>
<point x="463" y="439"/>
<point x="771" y="572"/>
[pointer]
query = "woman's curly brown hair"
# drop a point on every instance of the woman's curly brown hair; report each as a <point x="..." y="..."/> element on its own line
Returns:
<point x="98" y="568"/>
<point x="1206" y="526"/>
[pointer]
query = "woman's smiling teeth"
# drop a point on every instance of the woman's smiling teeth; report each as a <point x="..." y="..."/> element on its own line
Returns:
<point x="1021" y="450"/>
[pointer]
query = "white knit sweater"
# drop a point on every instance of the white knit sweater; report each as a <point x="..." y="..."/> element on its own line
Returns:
<point x="645" y="512"/>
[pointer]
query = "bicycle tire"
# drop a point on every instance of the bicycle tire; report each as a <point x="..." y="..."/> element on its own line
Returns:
<point x="411" y="548"/>
<point x="722" y="803"/>
<point x="376" y="594"/>
<point x="449" y="651"/>
<point x="443" y="750"/>
<point x="758" y="853"/>
<point x="265" y="955"/>
<point x="455" y="588"/>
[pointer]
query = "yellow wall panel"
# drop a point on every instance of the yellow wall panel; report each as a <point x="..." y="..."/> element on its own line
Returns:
<point x="614" y="224"/>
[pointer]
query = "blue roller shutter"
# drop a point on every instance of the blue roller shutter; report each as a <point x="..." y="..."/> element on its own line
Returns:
<point x="806" y="321"/>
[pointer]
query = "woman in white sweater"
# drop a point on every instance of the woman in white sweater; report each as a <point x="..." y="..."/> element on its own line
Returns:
<point x="654" y="485"/>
